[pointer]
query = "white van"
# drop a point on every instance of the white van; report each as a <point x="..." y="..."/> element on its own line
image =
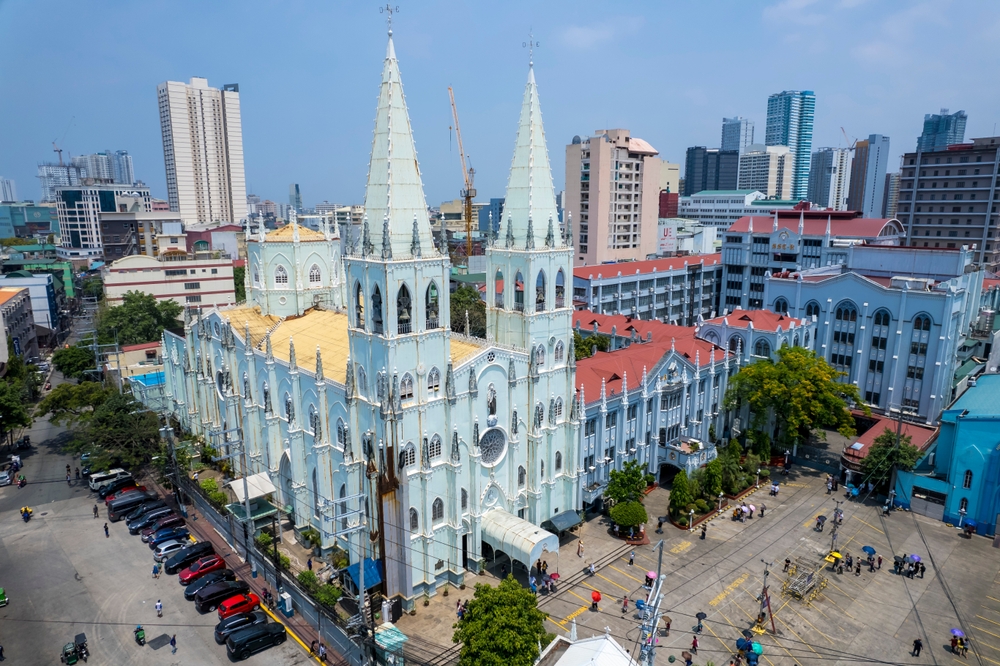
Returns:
<point x="102" y="478"/>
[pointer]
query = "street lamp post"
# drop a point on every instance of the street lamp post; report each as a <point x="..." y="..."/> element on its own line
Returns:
<point x="757" y="485"/>
<point x="961" y="517"/>
<point x="691" y="520"/>
<point x="720" y="502"/>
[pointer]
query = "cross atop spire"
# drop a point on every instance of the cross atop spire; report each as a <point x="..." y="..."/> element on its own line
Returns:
<point x="530" y="193"/>
<point x="395" y="191"/>
<point x="531" y="44"/>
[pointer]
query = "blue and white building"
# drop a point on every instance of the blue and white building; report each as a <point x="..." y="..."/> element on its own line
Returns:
<point x="363" y="409"/>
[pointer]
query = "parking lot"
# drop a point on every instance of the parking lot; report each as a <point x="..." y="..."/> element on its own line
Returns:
<point x="63" y="576"/>
<point x="851" y="619"/>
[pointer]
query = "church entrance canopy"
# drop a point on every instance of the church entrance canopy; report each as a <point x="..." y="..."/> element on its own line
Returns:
<point x="519" y="539"/>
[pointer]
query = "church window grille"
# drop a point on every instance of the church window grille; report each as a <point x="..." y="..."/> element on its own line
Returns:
<point x="315" y="276"/>
<point x="280" y="276"/>
<point x="406" y="388"/>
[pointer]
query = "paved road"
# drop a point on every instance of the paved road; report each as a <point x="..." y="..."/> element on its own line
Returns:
<point x="63" y="576"/>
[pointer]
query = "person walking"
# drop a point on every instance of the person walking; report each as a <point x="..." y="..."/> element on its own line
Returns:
<point x="173" y="644"/>
<point x="95" y="511"/>
<point x="922" y="569"/>
<point x="954" y="644"/>
<point x="106" y="533"/>
<point x="159" y="608"/>
<point x="871" y="565"/>
<point x="309" y="564"/>
<point x="857" y="567"/>
<point x="579" y="548"/>
<point x="788" y="563"/>
<point x="624" y="604"/>
<point x="156" y="570"/>
<point x="918" y="645"/>
<point x="312" y="647"/>
<point x="964" y="647"/>
<point x="77" y="473"/>
<point x="879" y="562"/>
<point x="69" y="479"/>
<point x="763" y="507"/>
<point x="694" y="644"/>
<point x="631" y="558"/>
<point x="322" y="652"/>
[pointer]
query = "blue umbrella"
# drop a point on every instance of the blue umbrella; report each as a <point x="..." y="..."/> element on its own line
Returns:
<point x="869" y="550"/>
<point x="741" y="643"/>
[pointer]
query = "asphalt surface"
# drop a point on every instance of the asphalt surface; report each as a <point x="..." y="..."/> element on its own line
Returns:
<point x="63" y="576"/>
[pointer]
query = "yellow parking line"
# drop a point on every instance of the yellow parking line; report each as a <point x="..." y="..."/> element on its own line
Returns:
<point x="985" y="632"/>
<point x="868" y="525"/>
<point x="638" y="580"/>
<point x="726" y="645"/>
<point x="556" y="622"/>
<point x="614" y="583"/>
<point x="988" y="620"/>
<point x="289" y="631"/>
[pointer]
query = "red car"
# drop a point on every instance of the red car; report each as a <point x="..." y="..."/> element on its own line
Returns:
<point x="130" y="489"/>
<point x="241" y="603"/>
<point x="200" y="568"/>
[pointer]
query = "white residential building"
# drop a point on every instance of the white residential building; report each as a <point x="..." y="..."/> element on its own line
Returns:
<point x="8" y="191"/>
<point x="737" y="134"/>
<point x="203" y="151"/>
<point x="82" y="235"/>
<point x="767" y="169"/>
<point x="721" y="208"/>
<point x="196" y="282"/>
<point x="54" y="176"/>
<point x="830" y="178"/>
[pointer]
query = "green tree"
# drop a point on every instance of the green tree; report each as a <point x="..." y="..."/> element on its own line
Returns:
<point x="732" y="474"/>
<point x="628" y="484"/>
<point x="124" y="430"/>
<point x="501" y="626"/>
<point x="800" y="390"/>
<point x="584" y="347"/>
<point x="466" y="299"/>
<point x="713" y="478"/>
<point x="680" y="494"/>
<point x="140" y="318"/>
<point x="734" y="450"/>
<point x="74" y="404"/>
<point x="239" y="275"/>
<point x="13" y="411"/>
<point x="883" y="454"/>
<point x="93" y="287"/>
<point x="74" y="361"/>
<point x="761" y="444"/>
<point x="629" y="514"/>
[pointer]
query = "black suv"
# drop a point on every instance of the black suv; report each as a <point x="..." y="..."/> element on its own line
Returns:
<point x="148" y="519"/>
<point x="210" y="578"/>
<point x="115" y="486"/>
<point x="246" y="642"/>
<point x="238" y="622"/>
<point x="145" y="508"/>
<point x="183" y="558"/>
<point x="209" y="598"/>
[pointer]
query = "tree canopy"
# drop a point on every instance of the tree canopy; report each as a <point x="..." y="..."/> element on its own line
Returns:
<point x="74" y="404"/>
<point x="502" y="626"/>
<point x="629" y="514"/>
<point x="13" y="410"/>
<point x="239" y="275"/>
<point x="466" y="299"/>
<point x="801" y="390"/>
<point x="140" y="318"/>
<point x="883" y="454"/>
<point x="74" y="361"/>
<point x="584" y="347"/>
<point x="627" y="484"/>
<point x="680" y="494"/>
<point x="93" y="287"/>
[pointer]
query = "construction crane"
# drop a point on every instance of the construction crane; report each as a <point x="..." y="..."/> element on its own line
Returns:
<point x="57" y="149"/>
<point x="848" y="140"/>
<point x="470" y="176"/>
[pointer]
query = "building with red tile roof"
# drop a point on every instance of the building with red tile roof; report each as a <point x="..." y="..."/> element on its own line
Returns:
<point x="677" y="289"/>
<point x="869" y="428"/>
<point x="755" y="334"/>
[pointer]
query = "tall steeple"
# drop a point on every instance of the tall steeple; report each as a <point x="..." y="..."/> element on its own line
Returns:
<point x="530" y="193"/>
<point x="395" y="191"/>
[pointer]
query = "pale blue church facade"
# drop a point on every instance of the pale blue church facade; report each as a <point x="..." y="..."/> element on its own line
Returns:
<point x="395" y="438"/>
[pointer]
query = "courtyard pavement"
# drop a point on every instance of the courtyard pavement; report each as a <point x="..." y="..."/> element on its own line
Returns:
<point x="851" y="619"/>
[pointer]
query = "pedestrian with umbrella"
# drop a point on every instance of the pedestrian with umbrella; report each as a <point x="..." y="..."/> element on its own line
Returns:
<point x="700" y="616"/>
<point x="595" y="598"/>
<point x="955" y="635"/>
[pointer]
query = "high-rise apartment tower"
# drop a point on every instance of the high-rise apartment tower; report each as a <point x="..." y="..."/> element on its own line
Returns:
<point x="942" y="129"/>
<point x="203" y="151"/>
<point x="868" y="170"/>
<point x="737" y="134"/>
<point x="790" y="123"/>
<point x="830" y="177"/>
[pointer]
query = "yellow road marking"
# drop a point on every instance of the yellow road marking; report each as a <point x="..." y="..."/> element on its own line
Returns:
<point x="992" y="647"/>
<point x="985" y="631"/>
<point x="868" y="525"/>
<point x="577" y="613"/>
<point x="681" y="547"/>
<point x="579" y="597"/>
<point x="727" y="645"/>
<point x="729" y="590"/>
<point x="289" y="631"/>
<point x="614" y="583"/>
<point x="773" y="638"/>
<point x="638" y="580"/>
<point x="993" y="598"/>
<point x="556" y="622"/>
<point x="988" y="620"/>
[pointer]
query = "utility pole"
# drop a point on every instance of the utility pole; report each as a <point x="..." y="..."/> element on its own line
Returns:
<point x="836" y="525"/>
<point x="765" y="600"/>
<point x="650" y="618"/>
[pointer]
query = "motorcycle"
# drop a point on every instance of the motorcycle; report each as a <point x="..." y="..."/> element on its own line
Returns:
<point x="21" y="481"/>
<point x="140" y="635"/>
<point x="26" y="513"/>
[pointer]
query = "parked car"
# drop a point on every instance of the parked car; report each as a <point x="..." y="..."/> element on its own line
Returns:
<point x="98" y="479"/>
<point x="251" y="640"/>
<point x="167" y="521"/>
<point x="144" y="509"/>
<point x="124" y="504"/>
<point x="241" y="603"/>
<point x="200" y="568"/>
<point x="209" y="597"/>
<point x="237" y="622"/>
<point x="179" y="533"/>
<point x="111" y="497"/>
<point x="115" y="486"/>
<point x="147" y="520"/>
<point x="185" y="557"/>
<point x="166" y="549"/>
<point x="216" y="576"/>
<point x="6" y="477"/>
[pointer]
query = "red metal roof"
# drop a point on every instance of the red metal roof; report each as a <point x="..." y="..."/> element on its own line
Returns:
<point x="643" y="267"/>
<point x="814" y="224"/>
<point x="920" y="436"/>
<point x="141" y="346"/>
<point x="763" y="320"/>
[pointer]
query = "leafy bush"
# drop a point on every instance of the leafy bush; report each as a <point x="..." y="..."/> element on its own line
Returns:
<point x="680" y="492"/>
<point x="682" y="521"/>
<point x="286" y="563"/>
<point x="308" y="580"/>
<point x="264" y="540"/>
<point x="765" y="472"/>
<point x="312" y="536"/>
<point x="702" y="506"/>
<point x="209" y="485"/>
<point x="629" y="514"/>
<point x="328" y="595"/>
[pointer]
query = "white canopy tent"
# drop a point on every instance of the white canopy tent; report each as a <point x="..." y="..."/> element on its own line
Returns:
<point x="258" y="485"/>
<point x="519" y="539"/>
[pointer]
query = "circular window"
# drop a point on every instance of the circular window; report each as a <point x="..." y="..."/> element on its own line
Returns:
<point x="492" y="446"/>
<point x="491" y="357"/>
<point x="282" y="300"/>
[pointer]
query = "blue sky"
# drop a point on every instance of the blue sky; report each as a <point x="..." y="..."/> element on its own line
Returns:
<point x="309" y="72"/>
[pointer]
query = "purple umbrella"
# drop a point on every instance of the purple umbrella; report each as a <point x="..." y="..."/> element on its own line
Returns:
<point x="915" y="558"/>
<point x="958" y="632"/>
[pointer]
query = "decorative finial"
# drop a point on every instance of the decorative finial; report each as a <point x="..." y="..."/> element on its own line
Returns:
<point x="415" y="241"/>
<point x="388" y="10"/>
<point x="530" y="44"/>
<point x="510" y="233"/>
<point x="530" y="244"/>
<point x="550" y="237"/>
<point x="386" y="242"/>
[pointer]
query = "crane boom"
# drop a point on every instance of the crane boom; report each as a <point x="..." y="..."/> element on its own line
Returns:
<point x="468" y="174"/>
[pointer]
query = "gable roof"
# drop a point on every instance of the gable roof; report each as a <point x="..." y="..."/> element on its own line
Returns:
<point x="815" y="225"/>
<point x="762" y="320"/>
<point x="287" y="233"/>
<point x="644" y="267"/>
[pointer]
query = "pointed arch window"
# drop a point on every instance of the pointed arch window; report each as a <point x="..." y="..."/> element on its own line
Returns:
<point x="434" y="380"/>
<point x="403" y="308"/>
<point x="256" y="277"/>
<point x="281" y="277"/>
<point x="437" y="511"/>
<point x="414" y="520"/>
<point x="542" y="475"/>
<point x="266" y="392"/>
<point x="560" y="351"/>
<point x="498" y="290"/>
<point x="964" y="504"/>
<point x="491" y="400"/>
<point x="559" y="408"/>
<point x="539" y="415"/>
<point x="377" y="311"/>
<point x="812" y="309"/>
<point x="521" y="477"/>
<point x="558" y="460"/>
<point x="315" y="276"/>
<point x="540" y="355"/>
<point x="845" y="328"/>
<point x="735" y="342"/>
<point x="289" y="409"/>
<point x="342" y="507"/>
<point x="967" y="482"/>
<point x="465" y="499"/>
<point x="409" y="457"/>
<point x="519" y="292"/>
<point x="315" y="493"/>
<point x="359" y="306"/>
<point x="341" y="433"/>
<point x="781" y="306"/>
<point x="362" y="381"/>
<point x="762" y="348"/>
<point x="406" y="387"/>
<point x="560" y="289"/>
<point x="433" y="306"/>
<point x="540" y="292"/>
<point x="435" y="447"/>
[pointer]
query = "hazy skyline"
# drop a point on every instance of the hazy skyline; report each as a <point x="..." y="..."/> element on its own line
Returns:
<point x="309" y="73"/>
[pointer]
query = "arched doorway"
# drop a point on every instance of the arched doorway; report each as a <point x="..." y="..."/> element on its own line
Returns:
<point x="285" y="475"/>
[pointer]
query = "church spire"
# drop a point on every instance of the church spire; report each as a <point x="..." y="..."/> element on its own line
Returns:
<point x="530" y="193"/>
<point x="395" y="191"/>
